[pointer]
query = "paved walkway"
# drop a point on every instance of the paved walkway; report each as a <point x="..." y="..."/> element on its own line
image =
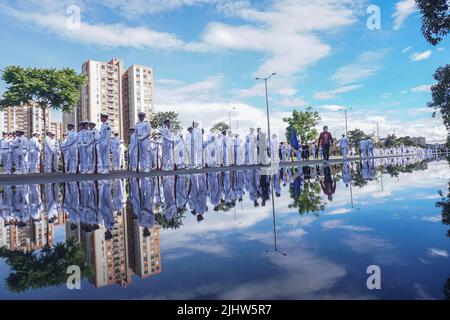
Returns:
<point x="40" y="178"/>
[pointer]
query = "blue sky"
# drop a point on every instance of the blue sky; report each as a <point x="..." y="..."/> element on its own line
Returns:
<point x="206" y="54"/>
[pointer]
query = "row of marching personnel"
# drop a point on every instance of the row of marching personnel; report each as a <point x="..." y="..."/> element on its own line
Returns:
<point x="90" y="150"/>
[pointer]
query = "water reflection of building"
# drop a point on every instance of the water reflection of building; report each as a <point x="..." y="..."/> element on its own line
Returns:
<point x="32" y="236"/>
<point x="128" y="252"/>
<point x="144" y="252"/>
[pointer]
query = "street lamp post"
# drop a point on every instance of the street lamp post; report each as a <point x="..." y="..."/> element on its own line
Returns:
<point x="267" y="106"/>
<point x="346" y="121"/>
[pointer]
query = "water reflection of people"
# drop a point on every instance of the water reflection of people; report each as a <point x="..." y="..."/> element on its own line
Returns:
<point x="146" y="213"/>
<point x="328" y="184"/>
<point x="346" y="174"/>
<point x="35" y="202"/>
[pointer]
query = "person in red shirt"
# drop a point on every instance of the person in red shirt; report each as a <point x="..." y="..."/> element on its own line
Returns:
<point x="325" y="140"/>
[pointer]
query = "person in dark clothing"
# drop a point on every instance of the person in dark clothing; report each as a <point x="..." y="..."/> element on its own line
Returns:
<point x="328" y="184"/>
<point x="325" y="140"/>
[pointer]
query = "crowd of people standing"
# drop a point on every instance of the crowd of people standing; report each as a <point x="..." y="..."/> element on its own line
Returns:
<point x="90" y="150"/>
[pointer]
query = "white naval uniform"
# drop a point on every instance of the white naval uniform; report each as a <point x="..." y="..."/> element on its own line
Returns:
<point x="167" y="149"/>
<point x="19" y="154"/>
<point x="143" y="133"/>
<point x="5" y="154"/>
<point x="250" y="149"/>
<point x="103" y="148"/>
<point x="34" y="154"/>
<point x="132" y="152"/>
<point x="115" y="151"/>
<point x="344" y="147"/>
<point x="211" y="150"/>
<point x="71" y="148"/>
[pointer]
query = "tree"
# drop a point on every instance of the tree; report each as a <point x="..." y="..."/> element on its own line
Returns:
<point x="435" y="19"/>
<point x="355" y="137"/>
<point x="436" y="25"/>
<point x="305" y="123"/>
<point x="175" y="223"/>
<point x="221" y="126"/>
<point x="306" y="199"/>
<point x="157" y="120"/>
<point x="440" y="93"/>
<point x="46" y="268"/>
<point x="48" y="88"/>
<point x="390" y="141"/>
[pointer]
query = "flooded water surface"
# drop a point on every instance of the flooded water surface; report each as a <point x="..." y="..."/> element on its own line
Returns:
<point x="281" y="233"/>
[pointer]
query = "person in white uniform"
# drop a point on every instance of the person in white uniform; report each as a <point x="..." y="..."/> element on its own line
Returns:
<point x="275" y="153"/>
<point x="132" y="151"/>
<point x="71" y="149"/>
<point x="211" y="149"/>
<point x="19" y="148"/>
<point x="49" y="152"/>
<point x="115" y="151"/>
<point x="92" y="147"/>
<point x="343" y="143"/>
<point x="5" y="153"/>
<point x="143" y="133"/>
<point x="104" y="145"/>
<point x="251" y="157"/>
<point x="83" y="137"/>
<point x="34" y="153"/>
<point x="167" y="146"/>
<point x="179" y="151"/>
<point x="197" y="156"/>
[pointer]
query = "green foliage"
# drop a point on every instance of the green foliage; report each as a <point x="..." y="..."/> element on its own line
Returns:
<point x="49" y="88"/>
<point x="45" y="268"/>
<point x="221" y="126"/>
<point x="157" y="120"/>
<point x="441" y="94"/>
<point x="355" y="137"/>
<point x="391" y="141"/>
<point x="435" y="19"/>
<point x="305" y="123"/>
<point x="175" y="223"/>
<point x="309" y="200"/>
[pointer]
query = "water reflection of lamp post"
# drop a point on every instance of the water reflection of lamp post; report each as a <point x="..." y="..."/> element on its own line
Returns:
<point x="274" y="225"/>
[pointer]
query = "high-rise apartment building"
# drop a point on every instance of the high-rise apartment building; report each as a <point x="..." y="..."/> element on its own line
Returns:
<point x="119" y="92"/>
<point x="102" y="94"/>
<point x="57" y="129"/>
<point x="137" y="95"/>
<point x="27" y="118"/>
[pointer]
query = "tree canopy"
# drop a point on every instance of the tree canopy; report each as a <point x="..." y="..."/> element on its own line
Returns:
<point x="33" y="270"/>
<point x="221" y="126"/>
<point x="441" y="94"/>
<point x="157" y="120"/>
<point x="435" y="19"/>
<point x="48" y="88"/>
<point x="355" y="136"/>
<point x="305" y="123"/>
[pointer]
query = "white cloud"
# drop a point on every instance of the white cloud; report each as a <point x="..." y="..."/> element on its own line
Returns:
<point x="437" y="218"/>
<point x="339" y="224"/>
<point x="339" y="211"/>
<point x="421" y="88"/>
<point x="366" y="65"/>
<point x="434" y="252"/>
<point x="403" y="9"/>
<point x="103" y="35"/>
<point x="328" y="95"/>
<point x="406" y="50"/>
<point x="419" y="56"/>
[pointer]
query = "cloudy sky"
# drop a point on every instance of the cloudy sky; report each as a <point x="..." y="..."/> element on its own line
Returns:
<point x="207" y="53"/>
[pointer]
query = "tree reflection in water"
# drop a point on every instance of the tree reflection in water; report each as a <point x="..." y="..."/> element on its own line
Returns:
<point x="47" y="267"/>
